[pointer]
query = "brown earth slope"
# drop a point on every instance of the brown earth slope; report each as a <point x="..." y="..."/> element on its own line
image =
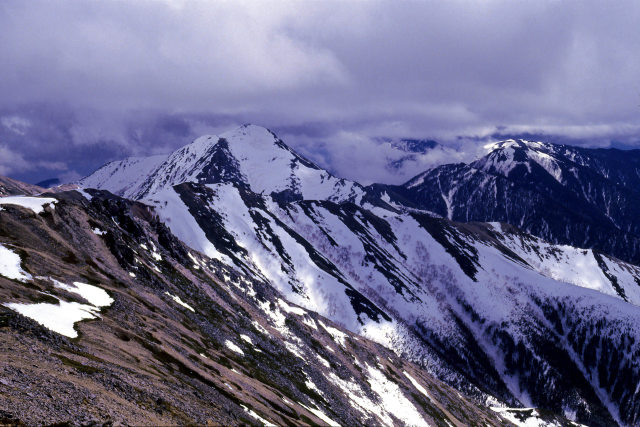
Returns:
<point x="10" y="187"/>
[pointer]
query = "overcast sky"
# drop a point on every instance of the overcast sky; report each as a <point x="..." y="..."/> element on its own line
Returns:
<point x="85" y="82"/>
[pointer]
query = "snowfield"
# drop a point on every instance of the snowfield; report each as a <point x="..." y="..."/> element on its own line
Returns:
<point x="62" y="317"/>
<point x="36" y="204"/>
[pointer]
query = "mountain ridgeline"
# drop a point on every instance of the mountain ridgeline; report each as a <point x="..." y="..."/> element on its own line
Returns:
<point x="530" y="299"/>
<point x="587" y="198"/>
<point x="107" y="317"/>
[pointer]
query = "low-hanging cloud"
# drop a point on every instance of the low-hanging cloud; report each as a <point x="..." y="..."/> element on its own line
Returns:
<point x="86" y="82"/>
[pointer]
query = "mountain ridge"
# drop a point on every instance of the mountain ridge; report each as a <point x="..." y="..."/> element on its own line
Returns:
<point x="352" y="258"/>
<point x="269" y="166"/>
<point x="179" y="338"/>
<point x="555" y="192"/>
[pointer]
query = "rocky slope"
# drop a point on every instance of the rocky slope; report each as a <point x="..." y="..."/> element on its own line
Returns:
<point x="495" y="312"/>
<point x="10" y="187"/>
<point x="105" y="316"/>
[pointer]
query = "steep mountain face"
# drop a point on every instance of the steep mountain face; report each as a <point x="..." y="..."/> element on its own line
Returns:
<point x="475" y="305"/>
<point x="106" y="317"/>
<point x="582" y="197"/>
<point x="496" y="312"/>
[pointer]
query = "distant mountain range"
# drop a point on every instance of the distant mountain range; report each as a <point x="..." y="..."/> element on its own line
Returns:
<point x="48" y="183"/>
<point x="582" y="197"/>
<point x="410" y="148"/>
<point x="528" y="298"/>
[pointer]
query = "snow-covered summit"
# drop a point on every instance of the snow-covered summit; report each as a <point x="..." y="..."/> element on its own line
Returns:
<point x="506" y="156"/>
<point x="250" y="155"/>
<point x="517" y="143"/>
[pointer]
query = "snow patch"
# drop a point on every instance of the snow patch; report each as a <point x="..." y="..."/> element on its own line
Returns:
<point x="417" y="385"/>
<point x="62" y="317"/>
<point x="231" y="346"/>
<point x="525" y="417"/>
<point x="337" y="335"/>
<point x="179" y="301"/>
<point x="59" y="317"/>
<point x="10" y="265"/>
<point x="93" y="294"/>
<point x="393" y="400"/>
<point x="254" y="415"/>
<point x="36" y="204"/>
<point x="318" y="413"/>
<point x="291" y="309"/>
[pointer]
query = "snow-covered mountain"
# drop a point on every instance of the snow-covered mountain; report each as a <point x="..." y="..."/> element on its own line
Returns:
<point x="107" y="318"/>
<point x="406" y="157"/>
<point x="582" y="197"/>
<point x="499" y="314"/>
<point x="250" y="155"/>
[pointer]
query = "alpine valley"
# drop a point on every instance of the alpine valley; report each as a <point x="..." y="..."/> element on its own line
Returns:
<point x="235" y="282"/>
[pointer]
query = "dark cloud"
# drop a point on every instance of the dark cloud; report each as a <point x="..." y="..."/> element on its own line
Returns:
<point x="86" y="82"/>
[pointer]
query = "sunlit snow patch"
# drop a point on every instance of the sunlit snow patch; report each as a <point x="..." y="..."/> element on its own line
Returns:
<point x="318" y="413"/>
<point x="336" y="334"/>
<point x="10" y="265"/>
<point x="195" y="261"/>
<point x="59" y="318"/>
<point x="291" y="309"/>
<point x="417" y="385"/>
<point x="392" y="398"/>
<point x="231" y="346"/>
<point x="36" y="204"/>
<point x="179" y="301"/>
<point x="93" y="294"/>
<point x="62" y="317"/>
<point x="392" y="401"/>
<point x="256" y="416"/>
<point x="525" y="417"/>
<point x="84" y="194"/>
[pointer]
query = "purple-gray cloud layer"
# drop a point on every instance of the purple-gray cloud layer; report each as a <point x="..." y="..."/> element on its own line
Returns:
<point x="86" y="82"/>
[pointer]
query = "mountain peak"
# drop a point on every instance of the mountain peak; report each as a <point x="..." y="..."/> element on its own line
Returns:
<point x="516" y="144"/>
<point x="250" y="132"/>
<point x="513" y="155"/>
<point x="247" y="133"/>
<point x="249" y="155"/>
